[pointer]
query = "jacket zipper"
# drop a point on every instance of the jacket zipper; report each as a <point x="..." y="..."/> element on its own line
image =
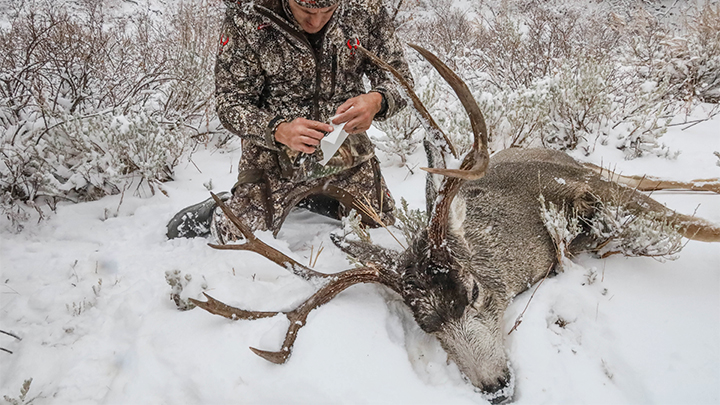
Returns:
<point x="292" y="31"/>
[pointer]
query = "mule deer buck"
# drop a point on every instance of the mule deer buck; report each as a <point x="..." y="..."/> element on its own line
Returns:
<point x="485" y="242"/>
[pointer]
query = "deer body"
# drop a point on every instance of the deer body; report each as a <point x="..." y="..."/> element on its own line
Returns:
<point x="497" y="246"/>
<point x="501" y="247"/>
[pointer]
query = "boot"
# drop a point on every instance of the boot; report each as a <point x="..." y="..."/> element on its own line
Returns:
<point x="194" y="220"/>
<point x="323" y="205"/>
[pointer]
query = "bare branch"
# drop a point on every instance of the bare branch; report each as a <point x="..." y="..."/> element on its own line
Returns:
<point x="11" y="334"/>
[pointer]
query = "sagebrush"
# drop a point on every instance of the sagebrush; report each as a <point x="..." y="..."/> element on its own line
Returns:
<point x="564" y="75"/>
<point x="92" y="101"/>
<point x="96" y="102"/>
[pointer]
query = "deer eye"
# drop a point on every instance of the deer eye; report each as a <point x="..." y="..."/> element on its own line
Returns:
<point x="475" y="293"/>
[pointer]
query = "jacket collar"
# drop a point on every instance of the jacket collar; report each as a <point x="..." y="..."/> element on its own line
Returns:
<point x="279" y="12"/>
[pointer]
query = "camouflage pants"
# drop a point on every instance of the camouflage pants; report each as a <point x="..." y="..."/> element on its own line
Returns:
<point x="262" y="199"/>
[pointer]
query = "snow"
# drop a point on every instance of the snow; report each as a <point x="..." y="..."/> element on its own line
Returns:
<point x="85" y="289"/>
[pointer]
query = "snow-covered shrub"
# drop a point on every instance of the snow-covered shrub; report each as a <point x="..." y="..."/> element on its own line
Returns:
<point x="685" y="58"/>
<point x="14" y="213"/>
<point x="562" y="226"/>
<point x="177" y="283"/>
<point x="616" y="229"/>
<point x="22" y="399"/>
<point x="85" y="159"/>
<point x="354" y="228"/>
<point x="92" y="100"/>
<point x="646" y="234"/>
<point x="410" y="221"/>
<point x="564" y="75"/>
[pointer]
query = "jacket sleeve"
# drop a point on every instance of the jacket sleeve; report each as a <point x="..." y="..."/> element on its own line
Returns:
<point x="385" y="45"/>
<point x="238" y="85"/>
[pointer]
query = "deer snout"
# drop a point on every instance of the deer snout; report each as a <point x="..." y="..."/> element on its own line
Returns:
<point x="501" y="391"/>
<point x="495" y="390"/>
<point x="476" y="346"/>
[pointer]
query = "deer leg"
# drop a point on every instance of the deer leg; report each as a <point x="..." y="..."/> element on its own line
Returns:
<point x="688" y="226"/>
<point x="697" y="228"/>
<point x="647" y="183"/>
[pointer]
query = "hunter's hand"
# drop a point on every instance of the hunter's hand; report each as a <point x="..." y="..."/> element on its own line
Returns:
<point x="301" y="134"/>
<point x="359" y="118"/>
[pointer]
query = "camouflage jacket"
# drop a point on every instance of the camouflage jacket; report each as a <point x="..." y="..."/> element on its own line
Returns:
<point x="267" y="72"/>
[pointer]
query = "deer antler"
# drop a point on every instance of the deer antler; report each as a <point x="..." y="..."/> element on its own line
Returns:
<point x="475" y="162"/>
<point x="431" y="127"/>
<point x="473" y="166"/>
<point x="253" y="244"/>
<point x="297" y="316"/>
<point x="333" y="285"/>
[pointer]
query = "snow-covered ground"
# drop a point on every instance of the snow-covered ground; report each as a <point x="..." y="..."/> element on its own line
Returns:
<point x="85" y="289"/>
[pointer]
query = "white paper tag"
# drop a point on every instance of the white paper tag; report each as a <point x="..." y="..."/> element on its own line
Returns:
<point x="332" y="142"/>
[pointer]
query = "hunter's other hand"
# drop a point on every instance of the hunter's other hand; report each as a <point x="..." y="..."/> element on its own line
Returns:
<point x="301" y="134"/>
<point x="358" y="112"/>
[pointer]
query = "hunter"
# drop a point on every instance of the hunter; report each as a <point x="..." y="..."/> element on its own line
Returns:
<point x="284" y="69"/>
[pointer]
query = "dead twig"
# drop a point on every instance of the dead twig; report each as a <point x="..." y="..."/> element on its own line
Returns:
<point x="368" y="210"/>
<point x="692" y="123"/>
<point x="519" y="319"/>
<point x="320" y="249"/>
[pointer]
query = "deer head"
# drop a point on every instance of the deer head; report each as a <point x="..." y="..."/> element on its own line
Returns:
<point x="446" y="299"/>
<point x="462" y="312"/>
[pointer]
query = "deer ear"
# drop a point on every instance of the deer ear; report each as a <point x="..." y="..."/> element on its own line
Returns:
<point x="432" y="181"/>
<point x="367" y="253"/>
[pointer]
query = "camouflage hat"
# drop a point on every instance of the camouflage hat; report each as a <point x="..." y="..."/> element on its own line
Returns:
<point x="317" y="3"/>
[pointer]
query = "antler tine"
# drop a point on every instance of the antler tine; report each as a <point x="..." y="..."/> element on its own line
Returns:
<point x="253" y="244"/>
<point x="427" y="120"/>
<point x="298" y="316"/>
<point x="477" y="120"/>
<point x="473" y="166"/>
<point x="475" y="162"/>
<point x="218" y="308"/>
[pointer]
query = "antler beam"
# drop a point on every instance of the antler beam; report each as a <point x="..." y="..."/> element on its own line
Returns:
<point x="475" y="163"/>
<point x="430" y="125"/>
<point x="253" y="244"/>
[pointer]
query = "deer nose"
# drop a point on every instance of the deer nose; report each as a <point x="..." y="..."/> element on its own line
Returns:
<point x="501" y="392"/>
